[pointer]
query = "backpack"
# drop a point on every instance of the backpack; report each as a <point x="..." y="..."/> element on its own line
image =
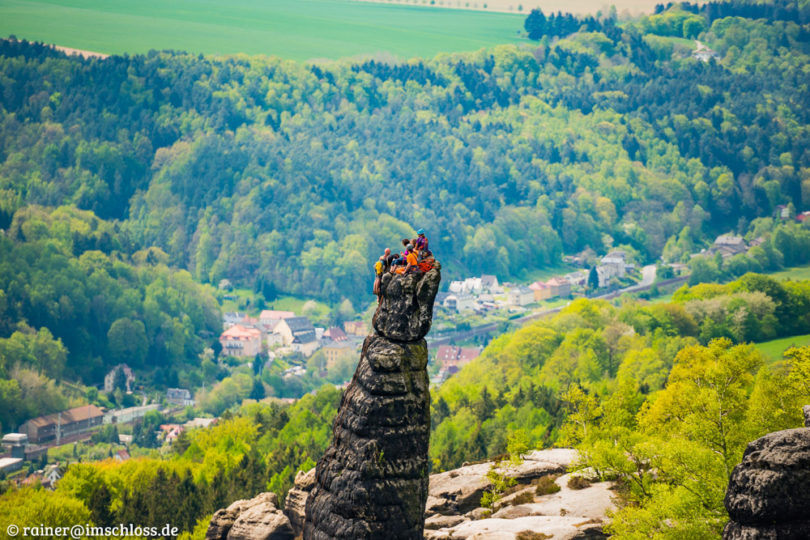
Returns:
<point x="378" y="267"/>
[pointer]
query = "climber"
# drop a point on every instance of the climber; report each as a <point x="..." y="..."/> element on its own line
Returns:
<point x="421" y="243"/>
<point x="411" y="259"/>
<point x="379" y="268"/>
<point x="401" y="261"/>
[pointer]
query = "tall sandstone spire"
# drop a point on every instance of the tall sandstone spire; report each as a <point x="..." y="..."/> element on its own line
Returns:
<point x="372" y="482"/>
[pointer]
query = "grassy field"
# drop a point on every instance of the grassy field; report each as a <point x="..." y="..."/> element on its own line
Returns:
<point x="294" y="29"/>
<point x="772" y="350"/>
<point x="547" y="273"/>
<point x="796" y="273"/>
<point x="548" y="6"/>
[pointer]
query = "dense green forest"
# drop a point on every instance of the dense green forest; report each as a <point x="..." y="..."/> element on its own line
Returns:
<point x="75" y="300"/>
<point x="259" y="168"/>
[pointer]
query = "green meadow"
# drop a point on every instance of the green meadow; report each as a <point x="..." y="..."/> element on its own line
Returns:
<point x="294" y="29"/>
<point x="772" y="350"/>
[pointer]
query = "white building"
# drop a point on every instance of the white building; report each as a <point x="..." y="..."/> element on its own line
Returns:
<point x="520" y="296"/>
<point x="460" y="302"/>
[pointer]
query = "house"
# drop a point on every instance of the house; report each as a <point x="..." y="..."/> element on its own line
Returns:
<point x="335" y="351"/>
<point x="179" y="396"/>
<point x="121" y="455"/>
<point x="520" y="296"/>
<point x="456" y="287"/>
<point x="703" y="53"/>
<point x="293" y="327"/>
<point x="460" y="302"/>
<point x="241" y="341"/>
<point x="15" y="443"/>
<point x="613" y="265"/>
<point x="783" y="211"/>
<point x="616" y="261"/>
<point x="802" y="216"/>
<point x="475" y="285"/>
<point x="271" y="316"/>
<point x="559" y="287"/>
<point x="449" y="356"/>
<point x="728" y="245"/>
<point x="231" y="318"/>
<point x="540" y="290"/>
<point x="335" y="334"/>
<point x="109" y="378"/>
<point x="299" y="334"/>
<point x="577" y="278"/>
<point x="355" y="328"/>
<point x="605" y="274"/>
<point x="490" y="284"/>
<point x="54" y="426"/>
<point x="305" y="346"/>
<point x="169" y="432"/>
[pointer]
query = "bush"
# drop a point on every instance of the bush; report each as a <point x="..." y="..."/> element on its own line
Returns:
<point x="524" y="498"/>
<point x="546" y="485"/>
<point x="531" y="535"/>
<point x="577" y="482"/>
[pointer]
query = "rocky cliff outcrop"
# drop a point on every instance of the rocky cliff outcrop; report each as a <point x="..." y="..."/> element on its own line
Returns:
<point x="453" y="504"/>
<point x="453" y="511"/>
<point x="256" y="519"/>
<point x="769" y="491"/>
<point x="372" y="482"/>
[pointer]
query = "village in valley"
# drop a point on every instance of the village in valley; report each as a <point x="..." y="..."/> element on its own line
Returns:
<point x="297" y="356"/>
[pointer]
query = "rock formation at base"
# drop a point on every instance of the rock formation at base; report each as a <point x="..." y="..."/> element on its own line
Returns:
<point x="372" y="482"/>
<point x="453" y="509"/>
<point x="769" y="491"/>
<point x="256" y="519"/>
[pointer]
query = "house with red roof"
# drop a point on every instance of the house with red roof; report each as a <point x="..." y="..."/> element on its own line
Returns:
<point x="241" y="341"/>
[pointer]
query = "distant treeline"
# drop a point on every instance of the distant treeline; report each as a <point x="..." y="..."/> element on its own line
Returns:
<point x="774" y="10"/>
<point x="537" y="24"/>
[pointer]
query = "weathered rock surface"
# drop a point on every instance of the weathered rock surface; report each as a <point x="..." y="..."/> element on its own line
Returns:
<point x="806" y="411"/>
<point x="295" y="503"/>
<point x="405" y="311"/>
<point x="372" y="481"/>
<point x="256" y="519"/>
<point x="553" y="527"/>
<point x="564" y="515"/>
<point x="768" y="494"/>
<point x="459" y="491"/>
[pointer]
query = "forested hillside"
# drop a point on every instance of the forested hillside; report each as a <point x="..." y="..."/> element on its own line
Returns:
<point x="661" y="397"/>
<point x="74" y="303"/>
<point x="258" y="168"/>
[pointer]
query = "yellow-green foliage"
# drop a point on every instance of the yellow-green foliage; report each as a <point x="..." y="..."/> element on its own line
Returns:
<point x="32" y="507"/>
<point x="260" y="447"/>
<point x="593" y="355"/>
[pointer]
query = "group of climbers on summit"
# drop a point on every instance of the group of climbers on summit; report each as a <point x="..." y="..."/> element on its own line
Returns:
<point x="416" y="257"/>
